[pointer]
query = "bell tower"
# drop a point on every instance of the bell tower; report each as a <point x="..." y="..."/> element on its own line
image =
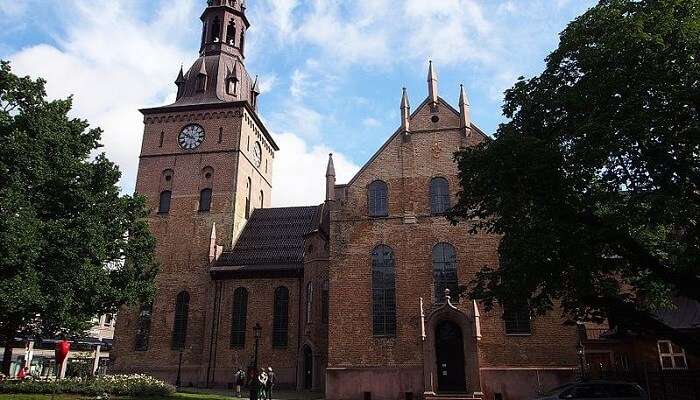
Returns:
<point x="205" y="165"/>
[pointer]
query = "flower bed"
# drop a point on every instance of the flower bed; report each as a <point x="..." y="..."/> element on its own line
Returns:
<point x="118" y="385"/>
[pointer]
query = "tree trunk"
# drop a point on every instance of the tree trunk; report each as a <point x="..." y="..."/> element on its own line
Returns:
<point x="7" y="355"/>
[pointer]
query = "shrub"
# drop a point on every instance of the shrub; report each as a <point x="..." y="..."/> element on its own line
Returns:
<point x="118" y="385"/>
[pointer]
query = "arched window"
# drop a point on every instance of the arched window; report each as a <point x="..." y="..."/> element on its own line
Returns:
<point x="281" y="317"/>
<point x="231" y="33"/>
<point x="201" y="82"/>
<point x="162" y="138"/>
<point x="309" y="301"/>
<point x="383" y="291"/>
<point x="262" y="199"/>
<point x="238" y="317"/>
<point x="182" y="308"/>
<point x="377" y="199"/>
<point x="324" y="302"/>
<point x="444" y="271"/>
<point x="215" y="30"/>
<point x="205" y="200"/>
<point x="439" y="195"/>
<point x="249" y="188"/>
<point x="204" y="33"/>
<point x="164" y="203"/>
<point x="143" y="328"/>
<point x="232" y="86"/>
<point x="242" y="41"/>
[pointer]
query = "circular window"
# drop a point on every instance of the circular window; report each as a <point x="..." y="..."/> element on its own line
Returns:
<point x="435" y="118"/>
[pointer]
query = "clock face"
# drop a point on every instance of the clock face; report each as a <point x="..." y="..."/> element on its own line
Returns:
<point x="257" y="154"/>
<point x="191" y="137"/>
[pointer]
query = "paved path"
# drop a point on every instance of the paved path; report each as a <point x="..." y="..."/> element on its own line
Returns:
<point x="277" y="394"/>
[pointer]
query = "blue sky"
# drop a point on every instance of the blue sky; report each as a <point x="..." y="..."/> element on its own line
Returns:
<point x="332" y="70"/>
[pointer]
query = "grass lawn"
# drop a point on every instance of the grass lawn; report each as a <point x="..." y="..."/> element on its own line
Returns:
<point x="177" y="396"/>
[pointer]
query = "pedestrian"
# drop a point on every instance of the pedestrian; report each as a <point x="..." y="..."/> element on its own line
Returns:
<point x="23" y="373"/>
<point x="238" y="380"/>
<point x="271" y="381"/>
<point x="262" y="384"/>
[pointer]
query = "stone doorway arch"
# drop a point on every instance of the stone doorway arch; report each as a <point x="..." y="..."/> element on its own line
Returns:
<point x="467" y="324"/>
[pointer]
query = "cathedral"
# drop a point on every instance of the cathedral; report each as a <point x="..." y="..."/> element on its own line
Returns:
<point x="351" y="297"/>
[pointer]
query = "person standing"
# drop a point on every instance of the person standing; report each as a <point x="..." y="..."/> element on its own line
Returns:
<point x="238" y="380"/>
<point x="262" y="384"/>
<point x="271" y="380"/>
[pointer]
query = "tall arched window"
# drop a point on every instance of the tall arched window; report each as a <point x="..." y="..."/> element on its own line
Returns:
<point x="231" y="33"/>
<point x="309" y="301"/>
<point x="377" y="199"/>
<point x="280" y="321"/>
<point x="143" y="328"/>
<point x="215" y="30"/>
<point x="204" y="33"/>
<point x="205" y="200"/>
<point x="249" y="188"/>
<point x="444" y="271"/>
<point x="383" y="291"/>
<point x="164" y="203"/>
<point x="439" y="195"/>
<point x="324" y="302"/>
<point x="242" y="41"/>
<point x="182" y="309"/>
<point x="262" y="199"/>
<point x="239" y="315"/>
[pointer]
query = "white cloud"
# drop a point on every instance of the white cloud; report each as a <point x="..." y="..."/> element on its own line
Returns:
<point x="12" y="8"/>
<point x="371" y="122"/>
<point x="299" y="171"/>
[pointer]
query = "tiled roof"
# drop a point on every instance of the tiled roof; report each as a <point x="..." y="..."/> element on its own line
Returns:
<point x="272" y="237"/>
<point x="686" y="315"/>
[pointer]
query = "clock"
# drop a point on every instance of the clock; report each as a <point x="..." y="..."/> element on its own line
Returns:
<point x="191" y="136"/>
<point x="257" y="154"/>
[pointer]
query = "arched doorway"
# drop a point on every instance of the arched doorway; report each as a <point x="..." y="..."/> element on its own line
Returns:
<point x="308" y="377"/>
<point x="449" y="353"/>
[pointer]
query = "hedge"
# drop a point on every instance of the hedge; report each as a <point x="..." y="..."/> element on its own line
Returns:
<point x="117" y="385"/>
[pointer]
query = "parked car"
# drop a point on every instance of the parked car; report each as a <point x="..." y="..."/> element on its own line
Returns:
<point x="600" y="390"/>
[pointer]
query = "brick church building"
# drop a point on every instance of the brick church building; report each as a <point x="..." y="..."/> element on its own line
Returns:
<point x="352" y="295"/>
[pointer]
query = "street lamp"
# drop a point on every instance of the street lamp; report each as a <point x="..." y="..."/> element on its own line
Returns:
<point x="257" y="333"/>
<point x="581" y="352"/>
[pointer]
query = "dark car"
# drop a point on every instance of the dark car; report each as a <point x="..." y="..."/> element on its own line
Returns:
<point x="601" y="390"/>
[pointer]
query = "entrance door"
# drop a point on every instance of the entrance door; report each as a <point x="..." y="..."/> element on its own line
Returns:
<point x="308" y="368"/>
<point x="449" y="352"/>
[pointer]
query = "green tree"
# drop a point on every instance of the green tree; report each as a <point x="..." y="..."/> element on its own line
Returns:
<point x="594" y="180"/>
<point x="71" y="247"/>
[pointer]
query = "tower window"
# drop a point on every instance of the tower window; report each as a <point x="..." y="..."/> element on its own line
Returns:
<point x="439" y="195"/>
<point x="309" y="301"/>
<point x="164" y="204"/>
<point x="231" y="33"/>
<point x="232" y="86"/>
<point x="247" y="198"/>
<point x="205" y="200"/>
<point x="517" y="319"/>
<point x="162" y="137"/>
<point x="182" y="305"/>
<point x="377" y="199"/>
<point x="324" y="302"/>
<point x="221" y="134"/>
<point x="242" y="41"/>
<point x="204" y="33"/>
<point x="383" y="292"/>
<point x="215" y="30"/>
<point x="281" y="317"/>
<point x="444" y="271"/>
<point x="238" y="317"/>
<point x="262" y="199"/>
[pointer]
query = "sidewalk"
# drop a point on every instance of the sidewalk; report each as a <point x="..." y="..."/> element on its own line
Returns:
<point x="277" y="394"/>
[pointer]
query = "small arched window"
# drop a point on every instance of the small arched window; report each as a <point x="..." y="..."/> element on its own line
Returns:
<point x="164" y="203"/>
<point x="205" y="200"/>
<point x="182" y="308"/>
<point x="215" y="30"/>
<point x="445" y="271"/>
<point x="324" y="302"/>
<point x="143" y="328"/>
<point x="309" y="301"/>
<point x="439" y="195"/>
<point x="377" y="199"/>
<point x="280" y="321"/>
<point x="231" y="33"/>
<point x="249" y="188"/>
<point x="238" y="317"/>
<point x="262" y="199"/>
<point x="383" y="292"/>
<point x="162" y="138"/>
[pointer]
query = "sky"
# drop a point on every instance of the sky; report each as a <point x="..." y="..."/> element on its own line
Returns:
<point x="331" y="70"/>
